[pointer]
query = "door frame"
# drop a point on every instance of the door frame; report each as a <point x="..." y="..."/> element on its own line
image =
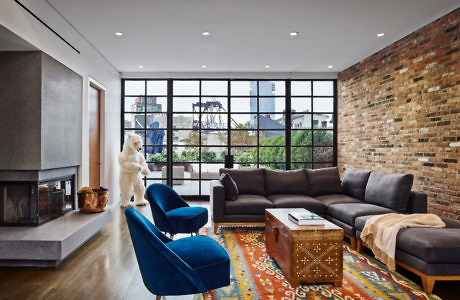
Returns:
<point x="93" y="83"/>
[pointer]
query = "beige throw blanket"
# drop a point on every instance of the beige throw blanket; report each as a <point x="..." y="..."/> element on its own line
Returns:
<point x="379" y="233"/>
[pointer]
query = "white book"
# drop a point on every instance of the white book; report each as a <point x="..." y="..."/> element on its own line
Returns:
<point x="305" y="218"/>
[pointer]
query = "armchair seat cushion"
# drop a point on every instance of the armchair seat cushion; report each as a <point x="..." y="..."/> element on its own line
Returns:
<point x="348" y="212"/>
<point x="206" y="257"/>
<point x="187" y="219"/>
<point x="247" y="205"/>
<point x="298" y="201"/>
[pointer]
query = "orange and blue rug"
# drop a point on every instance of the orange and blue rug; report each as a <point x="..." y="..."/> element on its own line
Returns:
<point x="255" y="275"/>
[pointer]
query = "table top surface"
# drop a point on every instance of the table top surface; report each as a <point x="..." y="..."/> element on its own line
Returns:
<point x="282" y="215"/>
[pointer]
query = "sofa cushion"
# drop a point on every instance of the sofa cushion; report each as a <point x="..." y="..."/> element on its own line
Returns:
<point x="389" y="190"/>
<point x="354" y="182"/>
<point x="286" y="182"/>
<point x="249" y="181"/>
<point x="247" y="205"/>
<point x="347" y="212"/>
<point x="324" y="181"/>
<point x="231" y="189"/>
<point x="297" y="201"/>
<point x="336" y="198"/>
<point x="433" y="245"/>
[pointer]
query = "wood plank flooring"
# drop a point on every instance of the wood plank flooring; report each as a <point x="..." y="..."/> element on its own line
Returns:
<point x="106" y="268"/>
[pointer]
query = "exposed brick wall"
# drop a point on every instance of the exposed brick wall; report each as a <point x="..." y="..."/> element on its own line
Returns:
<point x="399" y="112"/>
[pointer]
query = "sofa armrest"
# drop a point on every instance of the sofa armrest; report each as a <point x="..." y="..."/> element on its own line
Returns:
<point x="217" y="201"/>
<point x="417" y="202"/>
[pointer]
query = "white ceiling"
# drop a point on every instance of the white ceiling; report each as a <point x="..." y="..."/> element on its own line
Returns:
<point x="246" y="35"/>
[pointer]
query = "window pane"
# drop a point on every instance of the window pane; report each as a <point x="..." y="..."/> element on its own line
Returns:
<point x="323" y="154"/>
<point x="272" y="138"/>
<point x="157" y="104"/>
<point x="301" y="121"/>
<point x="272" y="105"/>
<point x="134" y="104"/>
<point x="156" y="154"/>
<point x="185" y="121"/>
<point x="323" y="104"/>
<point x="323" y="88"/>
<point x="243" y="88"/>
<point x="300" y="88"/>
<point x="152" y="181"/>
<point x="186" y="104"/>
<point x="323" y="121"/>
<point x="278" y="166"/>
<point x="301" y="154"/>
<point x="322" y="165"/>
<point x="186" y="87"/>
<point x="214" y="137"/>
<point x="243" y="104"/>
<point x="187" y="187"/>
<point x="186" y="154"/>
<point x="214" y="121"/>
<point x="214" y="104"/>
<point x="213" y="154"/>
<point x="271" y="121"/>
<point x="242" y="121"/>
<point x="155" y="137"/>
<point x="214" y="88"/>
<point x="139" y="132"/>
<point x="243" y="137"/>
<point x="134" y="120"/>
<point x="296" y="166"/>
<point x="323" y="137"/>
<point x="244" y="155"/>
<point x="300" y="105"/>
<point x="272" y="88"/>
<point x="157" y="87"/>
<point x="272" y="154"/>
<point x="156" y="120"/>
<point x="186" y="137"/>
<point x="134" y="87"/>
<point x="301" y="138"/>
<point x="210" y="171"/>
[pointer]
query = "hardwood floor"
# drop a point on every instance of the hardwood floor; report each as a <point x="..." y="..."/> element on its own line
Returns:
<point x="106" y="268"/>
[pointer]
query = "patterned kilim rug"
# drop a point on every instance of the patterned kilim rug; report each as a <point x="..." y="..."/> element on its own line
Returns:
<point x="255" y="275"/>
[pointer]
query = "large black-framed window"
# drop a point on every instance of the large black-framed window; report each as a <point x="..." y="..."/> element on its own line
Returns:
<point x="190" y="125"/>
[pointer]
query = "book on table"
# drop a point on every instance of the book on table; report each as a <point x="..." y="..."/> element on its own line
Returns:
<point x="305" y="218"/>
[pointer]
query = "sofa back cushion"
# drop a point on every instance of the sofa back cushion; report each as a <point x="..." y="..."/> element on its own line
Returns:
<point x="230" y="187"/>
<point x="324" y="181"/>
<point x="286" y="182"/>
<point x="249" y="181"/>
<point x="389" y="190"/>
<point x="354" y="183"/>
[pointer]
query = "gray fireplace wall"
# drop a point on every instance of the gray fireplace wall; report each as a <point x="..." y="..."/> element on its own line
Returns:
<point x="40" y="113"/>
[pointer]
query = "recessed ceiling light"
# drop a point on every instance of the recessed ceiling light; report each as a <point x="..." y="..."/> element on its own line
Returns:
<point x="118" y="33"/>
<point x="330" y="66"/>
<point x="203" y="66"/>
<point x="380" y="34"/>
<point x="267" y="66"/>
<point x="294" y="33"/>
<point x="205" y="33"/>
<point x="141" y="66"/>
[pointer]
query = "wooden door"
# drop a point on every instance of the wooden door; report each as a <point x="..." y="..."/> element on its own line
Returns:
<point x="94" y="105"/>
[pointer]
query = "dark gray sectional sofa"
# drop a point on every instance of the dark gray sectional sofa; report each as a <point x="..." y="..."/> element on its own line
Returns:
<point x="347" y="203"/>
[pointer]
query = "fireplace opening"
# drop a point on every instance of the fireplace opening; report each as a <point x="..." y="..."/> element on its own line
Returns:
<point x="32" y="203"/>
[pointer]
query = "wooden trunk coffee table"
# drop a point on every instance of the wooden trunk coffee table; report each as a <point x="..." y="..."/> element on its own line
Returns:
<point x="305" y="254"/>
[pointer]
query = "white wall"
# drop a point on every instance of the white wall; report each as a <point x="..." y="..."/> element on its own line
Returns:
<point x="89" y="63"/>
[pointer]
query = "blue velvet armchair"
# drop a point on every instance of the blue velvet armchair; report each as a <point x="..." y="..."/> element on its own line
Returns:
<point x="189" y="265"/>
<point x="171" y="213"/>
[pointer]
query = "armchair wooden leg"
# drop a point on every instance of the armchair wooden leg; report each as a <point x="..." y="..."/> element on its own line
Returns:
<point x="158" y="297"/>
<point x="216" y="226"/>
<point x="197" y="232"/>
<point x="205" y="295"/>
<point x="171" y="236"/>
<point x="359" y="246"/>
<point x="428" y="283"/>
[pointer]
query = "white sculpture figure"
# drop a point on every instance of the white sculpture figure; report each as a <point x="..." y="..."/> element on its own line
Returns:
<point x="132" y="165"/>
